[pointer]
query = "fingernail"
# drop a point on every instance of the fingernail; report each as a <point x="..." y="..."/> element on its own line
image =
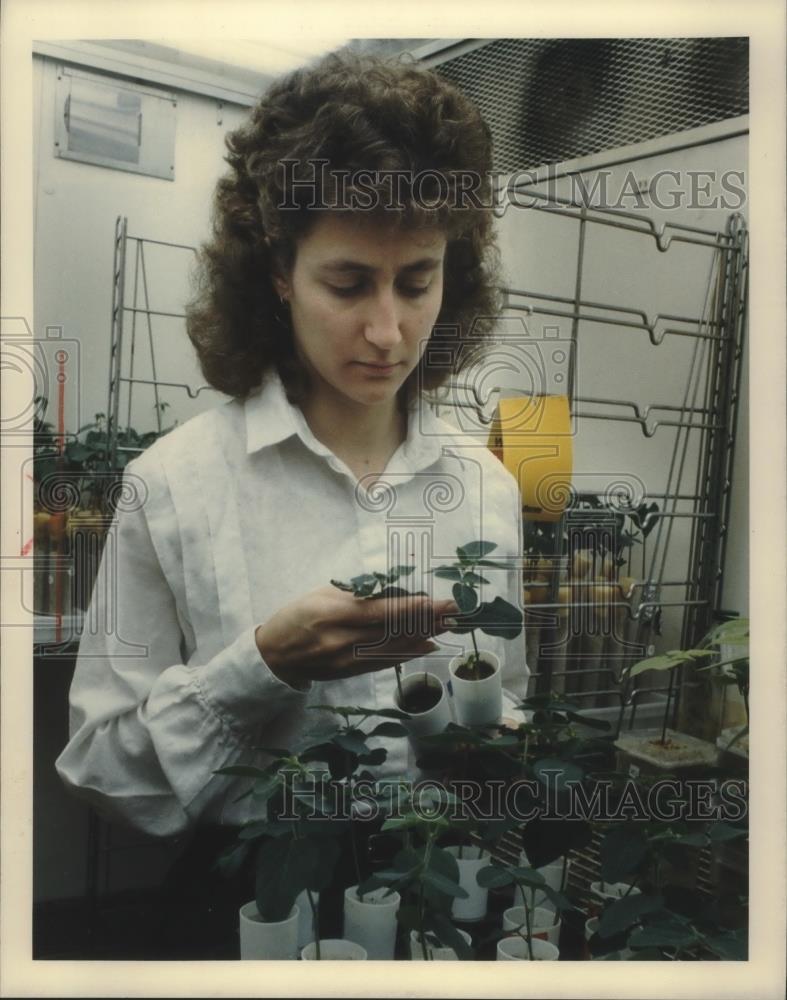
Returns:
<point x="449" y="622"/>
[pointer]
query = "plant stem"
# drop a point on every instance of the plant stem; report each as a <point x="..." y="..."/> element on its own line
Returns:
<point x="529" y="928"/>
<point x="356" y="863"/>
<point x="398" y="670"/>
<point x="666" y="709"/>
<point x="476" y="668"/>
<point x="315" y="923"/>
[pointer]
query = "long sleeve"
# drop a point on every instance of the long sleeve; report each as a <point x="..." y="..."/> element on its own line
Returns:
<point x="515" y="670"/>
<point x="147" y="730"/>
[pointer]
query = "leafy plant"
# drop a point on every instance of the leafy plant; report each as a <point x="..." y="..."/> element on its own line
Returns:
<point x="424" y="873"/>
<point x="373" y="586"/>
<point x="736" y="670"/>
<point x="496" y="618"/>
<point x="294" y="824"/>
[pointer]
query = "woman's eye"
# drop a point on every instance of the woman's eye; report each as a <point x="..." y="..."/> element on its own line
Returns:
<point x="345" y="291"/>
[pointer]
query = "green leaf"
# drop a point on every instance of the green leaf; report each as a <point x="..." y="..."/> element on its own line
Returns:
<point x="475" y="578"/>
<point x="465" y="597"/>
<point x="374" y="757"/>
<point x="447" y="573"/>
<point x="665" y="662"/>
<point x="623" y="913"/>
<point x="398" y="571"/>
<point x="281" y="869"/>
<point x="354" y="742"/>
<point x="528" y="876"/>
<point x="388" y="729"/>
<point x="450" y="937"/>
<point x="494" y="877"/>
<point x="475" y="550"/>
<point x="622" y="850"/>
<point x="444" y="885"/>
<point x="498" y="618"/>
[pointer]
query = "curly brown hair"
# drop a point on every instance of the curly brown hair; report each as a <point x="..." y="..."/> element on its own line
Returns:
<point x="348" y="113"/>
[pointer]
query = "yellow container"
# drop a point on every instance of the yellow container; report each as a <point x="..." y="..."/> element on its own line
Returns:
<point x="531" y="435"/>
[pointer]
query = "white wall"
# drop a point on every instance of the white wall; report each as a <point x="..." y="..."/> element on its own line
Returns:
<point x="76" y="205"/>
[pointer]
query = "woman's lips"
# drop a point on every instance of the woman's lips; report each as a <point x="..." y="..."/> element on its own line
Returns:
<point x="373" y="368"/>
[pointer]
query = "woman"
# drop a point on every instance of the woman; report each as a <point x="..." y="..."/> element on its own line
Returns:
<point x="343" y="280"/>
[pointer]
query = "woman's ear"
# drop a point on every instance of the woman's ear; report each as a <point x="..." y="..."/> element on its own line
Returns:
<point x="280" y="286"/>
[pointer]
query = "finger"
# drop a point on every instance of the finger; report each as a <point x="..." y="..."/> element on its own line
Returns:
<point x="388" y="659"/>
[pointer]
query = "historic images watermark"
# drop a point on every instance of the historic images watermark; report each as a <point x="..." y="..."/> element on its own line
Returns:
<point x="312" y="184"/>
<point x="666" y="800"/>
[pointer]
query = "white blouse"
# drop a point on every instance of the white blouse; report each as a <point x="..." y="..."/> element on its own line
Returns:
<point x="222" y="522"/>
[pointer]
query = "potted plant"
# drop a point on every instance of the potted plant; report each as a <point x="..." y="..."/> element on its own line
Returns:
<point x="476" y="679"/>
<point x="526" y="880"/>
<point x="294" y="822"/>
<point x="421" y="696"/>
<point x="669" y="751"/>
<point x="369" y="912"/>
<point x="76" y="489"/>
<point x="647" y="899"/>
<point x="425" y="874"/>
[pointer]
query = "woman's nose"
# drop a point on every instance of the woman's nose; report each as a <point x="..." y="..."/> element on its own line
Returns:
<point x="381" y="326"/>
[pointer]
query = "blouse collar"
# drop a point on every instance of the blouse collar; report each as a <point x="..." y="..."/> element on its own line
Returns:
<point x="271" y="418"/>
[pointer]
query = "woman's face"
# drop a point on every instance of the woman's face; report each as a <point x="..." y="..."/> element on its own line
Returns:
<point x="363" y="299"/>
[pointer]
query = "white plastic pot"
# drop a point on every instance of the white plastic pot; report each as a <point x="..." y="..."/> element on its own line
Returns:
<point x="553" y="876"/>
<point x="472" y="861"/>
<point x="542" y="923"/>
<point x="477" y="703"/>
<point x="334" y="950"/>
<point x="515" y="949"/>
<point x="306" y="918"/>
<point x="371" y="922"/>
<point x="436" y="954"/>
<point x="266" y="939"/>
<point x="434" y="720"/>
<point x="591" y="926"/>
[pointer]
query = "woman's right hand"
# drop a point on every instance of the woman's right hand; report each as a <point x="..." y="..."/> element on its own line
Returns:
<point x="328" y="634"/>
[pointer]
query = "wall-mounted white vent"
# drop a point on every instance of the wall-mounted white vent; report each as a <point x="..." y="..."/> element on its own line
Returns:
<point x="111" y="122"/>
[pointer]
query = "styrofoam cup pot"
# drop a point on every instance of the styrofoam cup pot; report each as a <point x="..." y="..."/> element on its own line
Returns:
<point x="473" y="859"/>
<point x="334" y="950"/>
<point x="434" y="720"/>
<point x="542" y="923"/>
<point x="372" y="923"/>
<point x="306" y="918"/>
<point x="436" y="953"/>
<point x="265" y="939"/>
<point x="514" y="949"/>
<point x="477" y="703"/>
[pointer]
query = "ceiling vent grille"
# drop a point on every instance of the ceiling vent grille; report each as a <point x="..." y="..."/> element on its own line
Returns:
<point x="551" y="100"/>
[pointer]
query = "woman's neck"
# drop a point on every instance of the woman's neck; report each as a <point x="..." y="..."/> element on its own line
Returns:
<point x="365" y="437"/>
